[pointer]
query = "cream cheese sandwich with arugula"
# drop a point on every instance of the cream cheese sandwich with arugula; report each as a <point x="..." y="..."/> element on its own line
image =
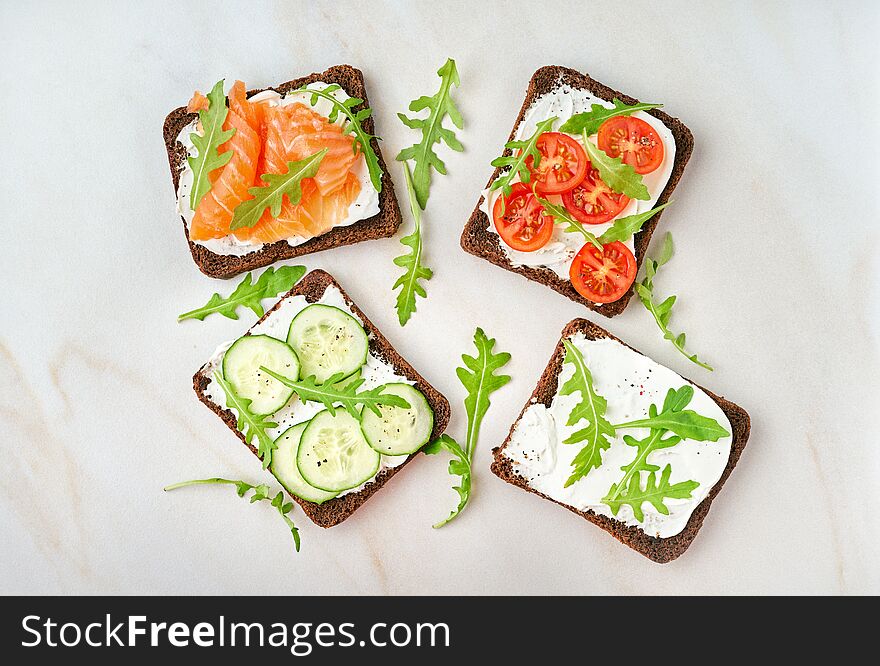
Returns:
<point x="323" y="399"/>
<point x="276" y="173"/>
<point x="624" y="442"/>
<point x="579" y="189"/>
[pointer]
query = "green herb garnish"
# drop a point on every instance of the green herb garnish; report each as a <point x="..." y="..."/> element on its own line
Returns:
<point x="411" y="262"/>
<point x="460" y="466"/>
<point x="208" y="158"/>
<point x="516" y="161"/>
<point x="261" y="492"/>
<point x="575" y="226"/>
<point x="252" y="426"/>
<point x="686" y="423"/>
<point x="249" y="294"/>
<point x="591" y="120"/>
<point x="335" y="391"/>
<point x="354" y="125"/>
<point x="655" y="493"/>
<point x="674" y="418"/>
<point x="625" y="228"/>
<point x="629" y="489"/>
<point x="479" y="379"/>
<point x="422" y="153"/>
<point x="663" y="311"/>
<point x="271" y="195"/>
<point x="592" y="408"/>
<point x="615" y="173"/>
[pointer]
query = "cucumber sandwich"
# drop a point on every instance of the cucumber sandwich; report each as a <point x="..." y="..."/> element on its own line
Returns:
<point x="316" y="392"/>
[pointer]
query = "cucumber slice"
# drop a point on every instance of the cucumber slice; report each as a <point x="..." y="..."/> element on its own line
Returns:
<point x="342" y="383"/>
<point x="327" y="341"/>
<point x="399" y="431"/>
<point x="333" y="453"/>
<point x="241" y="367"/>
<point x="284" y="467"/>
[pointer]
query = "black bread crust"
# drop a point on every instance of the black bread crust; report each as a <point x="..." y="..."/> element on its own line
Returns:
<point x="655" y="548"/>
<point x="334" y="511"/>
<point x="476" y="238"/>
<point x="382" y="225"/>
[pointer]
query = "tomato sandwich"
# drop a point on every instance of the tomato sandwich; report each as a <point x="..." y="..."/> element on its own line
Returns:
<point x="579" y="189"/>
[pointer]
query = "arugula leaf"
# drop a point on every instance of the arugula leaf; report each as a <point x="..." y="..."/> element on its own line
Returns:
<point x="459" y="466"/>
<point x="422" y="153"/>
<point x="284" y="508"/>
<point x="654" y="492"/>
<point x="516" y="161"/>
<point x="663" y="311"/>
<point x="591" y="120"/>
<point x="592" y="408"/>
<point x="666" y="251"/>
<point x="625" y="228"/>
<point x="575" y="226"/>
<point x="333" y="391"/>
<point x="621" y="492"/>
<point x="208" y="158"/>
<point x="414" y="270"/>
<point x="619" y="176"/>
<point x="261" y="492"/>
<point x="252" y="426"/>
<point x="479" y="379"/>
<point x="249" y="294"/>
<point x="271" y="196"/>
<point x="353" y="125"/>
<point x="687" y="424"/>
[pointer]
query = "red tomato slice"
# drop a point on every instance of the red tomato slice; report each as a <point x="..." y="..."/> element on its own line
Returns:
<point x="521" y="221"/>
<point x="592" y="201"/>
<point x="562" y="165"/>
<point x="632" y="139"/>
<point x="603" y="276"/>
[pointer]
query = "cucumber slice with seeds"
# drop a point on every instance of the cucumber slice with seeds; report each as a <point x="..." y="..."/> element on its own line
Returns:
<point x="342" y="383"/>
<point x="399" y="431"/>
<point x="284" y="467"/>
<point x="333" y="453"/>
<point x="327" y="341"/>
<point x="241" y="368"/>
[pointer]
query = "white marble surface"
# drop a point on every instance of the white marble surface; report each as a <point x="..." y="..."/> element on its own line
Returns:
<point x="776" y="221"/>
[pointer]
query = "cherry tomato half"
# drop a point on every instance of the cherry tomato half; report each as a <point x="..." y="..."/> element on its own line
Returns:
<point x="562" y="165"/>
<point x="592" y="201"/>
<point x="633" y="140"/>
<point x="521" y="221"/>
<point x="603" y="276"/>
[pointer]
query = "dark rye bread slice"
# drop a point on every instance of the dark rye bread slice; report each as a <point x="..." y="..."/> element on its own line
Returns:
<point x="655" y="548"/>
<point x="334" y="511"/>
<point x="478" y="240"/>
<point x="381" y="225"/>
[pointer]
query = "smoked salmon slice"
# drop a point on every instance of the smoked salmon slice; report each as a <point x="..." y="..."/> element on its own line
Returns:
<point x="302" y="132"/>
<point x="294" y="132"/>
<point x="266" y="139"/>
<point x="313" y="216"/>
<point x="197" y="103"/>
<point x="230" y="187"/>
